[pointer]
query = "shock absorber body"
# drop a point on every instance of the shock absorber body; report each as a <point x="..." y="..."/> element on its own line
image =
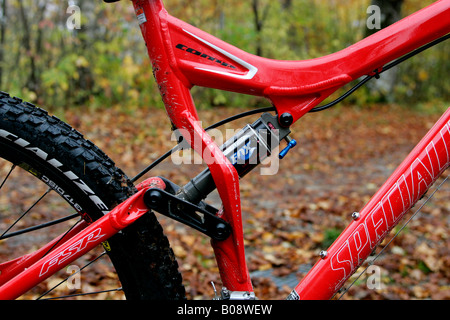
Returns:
<point x="245" y="150"/>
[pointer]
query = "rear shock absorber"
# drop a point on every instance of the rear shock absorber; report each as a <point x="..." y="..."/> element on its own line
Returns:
<point x="245" y="150"/>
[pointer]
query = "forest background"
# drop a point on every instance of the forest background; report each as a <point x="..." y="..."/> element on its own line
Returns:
<point x="104" y="63"/>
<point x="98" y="77"/>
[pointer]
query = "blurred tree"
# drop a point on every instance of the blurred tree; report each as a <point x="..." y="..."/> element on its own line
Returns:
<point x="260" y="12"/>
<point x="3" y="25"/>
<point x="32" y="44"/>
<point x="105" y="62"/>
<point x="390" y="12"/>
<point x="286" y="4"/>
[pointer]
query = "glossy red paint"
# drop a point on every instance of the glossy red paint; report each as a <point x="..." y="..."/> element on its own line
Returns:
<point x="197" y="58"/>
<point x="14" y="267"/>
<point x="398" y="194"/>
<point x="32" y="269"/>
<point x="183" y="56"/>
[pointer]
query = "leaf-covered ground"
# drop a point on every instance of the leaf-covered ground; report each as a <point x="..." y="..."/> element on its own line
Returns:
<point x="343" y="155"/>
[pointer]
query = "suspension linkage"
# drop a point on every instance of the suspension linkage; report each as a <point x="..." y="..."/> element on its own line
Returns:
<point x="201" y="217"/>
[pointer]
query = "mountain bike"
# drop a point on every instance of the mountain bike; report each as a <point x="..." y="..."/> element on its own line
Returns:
<point x="108" y="209"/>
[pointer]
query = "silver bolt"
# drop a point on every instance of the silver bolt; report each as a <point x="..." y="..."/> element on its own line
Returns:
<point x="323" y="254"/>
<point x="356" y="215"/>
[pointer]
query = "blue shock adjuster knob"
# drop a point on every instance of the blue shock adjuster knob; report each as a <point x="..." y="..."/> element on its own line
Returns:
<point x="291" y="143"/>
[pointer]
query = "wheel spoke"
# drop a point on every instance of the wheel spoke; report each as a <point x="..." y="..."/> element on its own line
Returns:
<point x="85" y="294"/>
<point x="41" y="226"/>
<point x="370" y="263"/>
<point x="10" y="233"/>
<point x="62" y="237"/>
<point x="64" y="280"/>
<point x="7" y="176"/>
<point x="27" y="211"/>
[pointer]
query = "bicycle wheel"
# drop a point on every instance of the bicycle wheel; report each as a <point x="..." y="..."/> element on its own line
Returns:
<point x="42" y="155"/>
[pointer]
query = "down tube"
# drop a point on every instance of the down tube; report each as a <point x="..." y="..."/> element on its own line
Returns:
<point x="400" y="192"/>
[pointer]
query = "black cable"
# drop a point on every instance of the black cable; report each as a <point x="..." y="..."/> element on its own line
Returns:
<point x="344" y="96"/>
<point x="241" y="115"/>
<point x="154" y="164"/>
<point x="415" y="52"/>
<point x="218" y="124"/>
<point x="377" y="73"/>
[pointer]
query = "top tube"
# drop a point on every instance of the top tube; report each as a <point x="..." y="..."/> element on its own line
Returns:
<point x="183" y="56"/>
<point x="199" y="58"/>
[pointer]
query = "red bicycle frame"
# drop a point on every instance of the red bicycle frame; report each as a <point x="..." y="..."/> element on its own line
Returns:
<point x="182" y="57"/>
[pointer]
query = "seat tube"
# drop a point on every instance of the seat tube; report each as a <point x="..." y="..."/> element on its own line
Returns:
<point x="180" y="107"/>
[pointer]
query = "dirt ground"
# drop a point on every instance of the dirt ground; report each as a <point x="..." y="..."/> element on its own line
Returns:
<point x="343" y="155"/>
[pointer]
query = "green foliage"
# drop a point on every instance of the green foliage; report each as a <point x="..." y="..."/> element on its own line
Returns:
<point x="422" y="266"/>
<point x="330" y="235"/>
<point x="105" y="62"/>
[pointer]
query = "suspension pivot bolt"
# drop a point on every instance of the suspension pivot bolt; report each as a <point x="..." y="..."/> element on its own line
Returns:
<point x="355" y="215"/>
<point x="222" y="230"/>
<point x="286" y="119"/>
<point x="152" y="198"/>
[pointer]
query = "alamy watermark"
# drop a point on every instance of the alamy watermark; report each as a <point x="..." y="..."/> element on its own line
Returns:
<point x="74" y="20"/>
<point x="374" y="19"/>
<point x="74" y="280"/>
<point x="242" y="147"/>
<point x="374" y="281"/>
